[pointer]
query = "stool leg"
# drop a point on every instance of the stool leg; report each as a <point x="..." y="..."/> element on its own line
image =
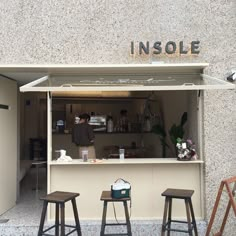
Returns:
<point x="169" y="216"/>
<point x="37" y="178"/>
<point x="40" y="232"/>
<point x="193" y="218"/>
<point x="127" y="218"/>
<point x="62" y="205"/>
<point x="57" y="220"/>
<point x="76" y="217"/>
<point x="104" y="215"/>
<point x="164" y="217"/>
<point x="188" y="217"/>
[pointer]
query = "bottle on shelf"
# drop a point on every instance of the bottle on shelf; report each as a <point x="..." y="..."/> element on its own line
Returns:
<point x="110" y="124"/>
<point x="147" y="124"/>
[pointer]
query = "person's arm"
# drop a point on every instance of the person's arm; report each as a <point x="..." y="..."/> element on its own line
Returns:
<point x="75" y="135"/>
<point x="90" y="134"/>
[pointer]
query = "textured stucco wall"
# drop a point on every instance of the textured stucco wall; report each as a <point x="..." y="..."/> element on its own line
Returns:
<point x="86" y="31"/>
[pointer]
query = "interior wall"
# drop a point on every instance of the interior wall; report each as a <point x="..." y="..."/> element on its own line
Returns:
<point x="8" y="144"/>
<point x="194" y="122"/>
<point x="33" y="120"/>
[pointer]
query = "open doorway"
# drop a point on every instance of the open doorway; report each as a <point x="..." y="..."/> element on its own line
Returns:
<point x="33" y="144"/>
<point x="23" y="118"/>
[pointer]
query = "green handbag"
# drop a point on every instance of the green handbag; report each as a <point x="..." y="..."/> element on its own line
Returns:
<point x="120" y="189"/>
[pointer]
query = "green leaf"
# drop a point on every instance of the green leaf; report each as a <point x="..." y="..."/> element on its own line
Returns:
<point x="159" y="130"/>
<point x="177" y="131"/>
<point x="184" y="118"/>
<point x="163" y="143"/>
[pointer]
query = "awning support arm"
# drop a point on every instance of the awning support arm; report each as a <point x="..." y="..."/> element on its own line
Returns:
<point x="33" y="83"/>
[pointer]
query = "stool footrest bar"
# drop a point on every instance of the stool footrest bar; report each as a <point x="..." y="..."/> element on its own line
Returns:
<point x="179" y="221"/>
<point x="70" y="226"/>
<point x="65" y="234"/>
<point x="72" y="231"/>
<point x="177" y="230"/>
<point x="49" y="229"/>
<point x="115" y="234"/>
<point x="110" y="224"/>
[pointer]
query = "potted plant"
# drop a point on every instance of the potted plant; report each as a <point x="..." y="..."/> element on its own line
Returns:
<point x="186" y="150"/>
<point x="160" y="131"/>
<point x="175" y="132"/>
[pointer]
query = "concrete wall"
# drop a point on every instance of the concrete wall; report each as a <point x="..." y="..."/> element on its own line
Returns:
<point x="86" y="31"/>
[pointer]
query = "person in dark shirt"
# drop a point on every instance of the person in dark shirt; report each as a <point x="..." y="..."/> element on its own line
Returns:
<point x="83" y="136"/>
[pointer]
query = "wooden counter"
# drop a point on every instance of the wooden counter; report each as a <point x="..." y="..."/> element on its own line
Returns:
<point x="126" y="161"/>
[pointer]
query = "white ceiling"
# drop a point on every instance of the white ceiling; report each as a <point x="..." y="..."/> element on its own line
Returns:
<point x="23" y="77"/>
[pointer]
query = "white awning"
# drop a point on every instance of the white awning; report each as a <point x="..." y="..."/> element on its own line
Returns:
<point x="128" y="77"/>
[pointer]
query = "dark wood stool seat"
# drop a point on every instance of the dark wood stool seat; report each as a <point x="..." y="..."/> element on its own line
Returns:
<point x="186" y="195"/>
<point x="106" y="197"/>
<point x="60" y="198"/>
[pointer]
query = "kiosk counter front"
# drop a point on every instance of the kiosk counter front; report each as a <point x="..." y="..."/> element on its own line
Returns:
<point x="148" y="178"/>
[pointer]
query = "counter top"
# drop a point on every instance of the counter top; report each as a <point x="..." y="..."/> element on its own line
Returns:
<point x="126" y="161"/>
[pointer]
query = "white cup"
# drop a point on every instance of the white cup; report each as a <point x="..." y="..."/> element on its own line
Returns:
<point x="85" y="155"/>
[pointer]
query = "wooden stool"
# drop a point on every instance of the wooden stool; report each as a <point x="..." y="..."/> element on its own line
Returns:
<point x="59" y="198"/>
<point x="179" y="194"/>
<point x="106" y="197"/>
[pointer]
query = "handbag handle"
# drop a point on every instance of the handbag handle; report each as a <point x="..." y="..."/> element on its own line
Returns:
<point x="122" y="180"/>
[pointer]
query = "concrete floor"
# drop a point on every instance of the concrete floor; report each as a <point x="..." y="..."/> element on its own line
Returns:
<point x="28" y="209"/>
<point x="24" y="218"/>
<point x="29" y="199"/>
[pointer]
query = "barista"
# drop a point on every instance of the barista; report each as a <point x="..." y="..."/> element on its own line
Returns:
<point x="83" y="136"/>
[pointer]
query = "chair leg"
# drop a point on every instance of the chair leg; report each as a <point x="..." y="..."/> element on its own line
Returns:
<point x="57" y="220"/>
<point x="62" y="205"/>
<point x="193" y="218"/>
<point x="164" y="217"/>
<point x="40" y="232"/>
<point x="169" y="216"/>
<point x="76" y="215"/>
<point x="104" y="215"/>
<point x="188" y="217"/>
<point x="127" y="218"/>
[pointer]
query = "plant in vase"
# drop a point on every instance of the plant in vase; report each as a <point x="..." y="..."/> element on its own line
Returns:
<point x="177" y="131"/>
<point x="186" y="150"/>
<point x="160" y="131"/>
